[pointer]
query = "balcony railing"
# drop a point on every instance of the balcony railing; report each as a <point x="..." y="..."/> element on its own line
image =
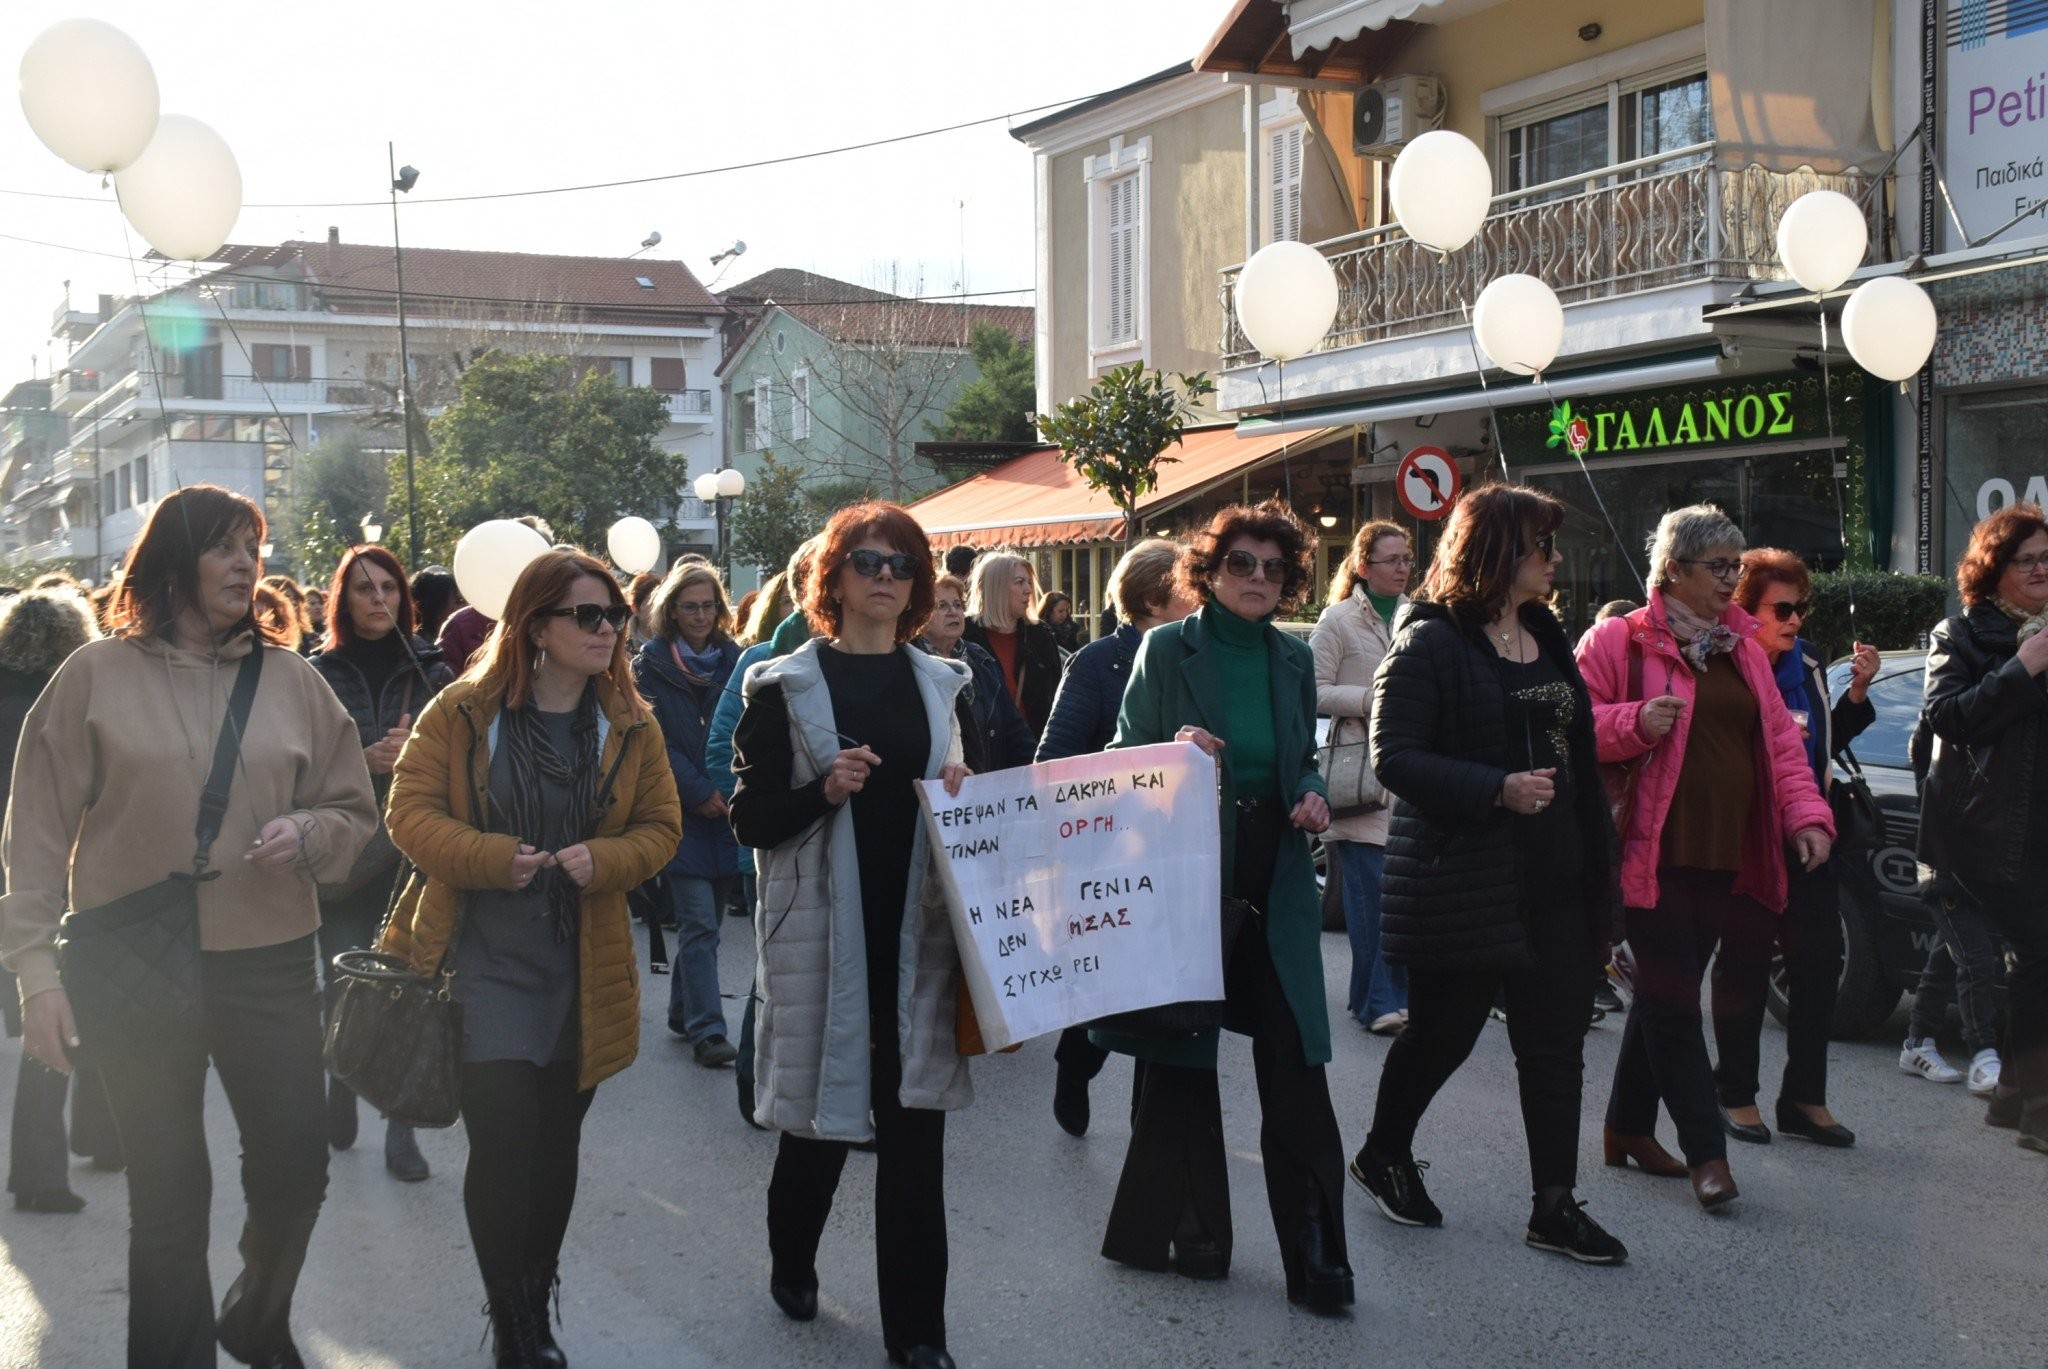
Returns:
<point x="1675" y="217"/>
<point x="694" y="510"/>
<point x="688" y="403"/>
<point x="71" y="385"/>
<point x="250" y="390"/>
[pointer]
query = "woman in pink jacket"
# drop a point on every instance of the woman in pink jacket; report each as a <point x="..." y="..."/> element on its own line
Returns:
<point x="1719" y="797"/>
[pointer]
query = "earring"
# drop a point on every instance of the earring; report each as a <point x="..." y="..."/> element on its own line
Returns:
<point x="541" y="659"/>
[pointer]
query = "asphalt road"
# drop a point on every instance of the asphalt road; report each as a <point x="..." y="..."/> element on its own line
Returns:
<point x="1922" y="1246"/>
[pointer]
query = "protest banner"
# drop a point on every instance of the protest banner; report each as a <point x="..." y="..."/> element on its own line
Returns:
<point x="1082" y="887"/>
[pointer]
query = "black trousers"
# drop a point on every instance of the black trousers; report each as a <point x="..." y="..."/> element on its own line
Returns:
<point x="262" y="1033"/>
<point x="1550" y="1005"/>
<point x="2021" y="916"/>
<point x="1175" y="1180"/>
<point x="38" y="1160"/>
<point x="1810" y="935"/>
<point x="525" y="1126"/>
<point x="1664" y="1045"/>
<point x="910" y="1204"/>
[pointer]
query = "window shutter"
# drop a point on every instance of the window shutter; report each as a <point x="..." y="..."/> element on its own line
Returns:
<point x="1283" y="179"/>
<point x="302" y="363"/>
<point x="764" y="415"/>
<point x="800" y="405"/>
<point x="667" y="374"/>
<point x="1123" y="259"/>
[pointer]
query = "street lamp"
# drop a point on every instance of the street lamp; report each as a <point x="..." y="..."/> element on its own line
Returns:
<point x="373" y="531"/>
<point x="404" y="179"/>
<point x="718" y="488"/>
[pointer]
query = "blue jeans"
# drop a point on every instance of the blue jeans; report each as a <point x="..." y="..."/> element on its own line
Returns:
<point x="1377" y="988"/>
<point x="694" y="1009"/>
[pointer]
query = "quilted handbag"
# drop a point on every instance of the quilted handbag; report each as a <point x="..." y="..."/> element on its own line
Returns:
<point x="1190" y="1017"/>
<point x="1346" y="767"/>
<point x="395" y="1036"/>
<point x="131" y="967"/>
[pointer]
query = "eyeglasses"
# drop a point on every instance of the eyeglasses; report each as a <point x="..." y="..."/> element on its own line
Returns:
<point x="948" y="606"/>
<point x="1547" y="544"/>
<point x="590" y="617"/>
<point x="1786" y="610"/>
<point x="707" y="606"/>
<point x="1407" y="560"/>
<point x="1720" y="570"/>
<point x="2028" y="564"/>
<point x="1243" y="563"/>
<point x="902" y="565"/>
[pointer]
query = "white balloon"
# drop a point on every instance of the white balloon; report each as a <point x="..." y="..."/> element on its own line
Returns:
<point x="89" y="93"/>
<point x="488" y="560"/>
<point x="731" y="483"/>
<point x="184" y="193"/>
<point x="1822" y="239"/>
<point x="634" y="544"/>
<point x="1519" y="323"/>
<point x="1889" y="327"/>
<point x="706" y="486"/>
<point x="1440" y="189"/>
<point x="1286" y="299"/>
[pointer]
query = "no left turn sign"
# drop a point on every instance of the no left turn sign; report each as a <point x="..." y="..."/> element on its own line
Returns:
<point x="1427" y="482"/>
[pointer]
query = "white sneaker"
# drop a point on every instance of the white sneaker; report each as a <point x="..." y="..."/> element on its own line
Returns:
<point x="1984" y="1073"/>
<point x="1921" y="1058"/>
<point x="1390" y="1024"/>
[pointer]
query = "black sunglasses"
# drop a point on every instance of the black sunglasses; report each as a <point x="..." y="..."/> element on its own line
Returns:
<point x="902" y="565"/>
<point x="590" y="617"/>
<point x="1547" y="544"/>
<point x="1243" y="563"/>
<point x="1786" y="609"/>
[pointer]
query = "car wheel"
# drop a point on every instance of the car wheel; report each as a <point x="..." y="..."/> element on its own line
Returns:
<point x="1864" y="998"/>
<point x="1330" y="888"/>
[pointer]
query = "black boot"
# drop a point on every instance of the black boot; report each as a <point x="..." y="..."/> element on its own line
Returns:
<point x="341" y="1114"/>
<point x="1319" y="1277"/>
<point x="539" y="1289"/>
<point x="515" y="1327"/>
<point x="254" y="1323"/>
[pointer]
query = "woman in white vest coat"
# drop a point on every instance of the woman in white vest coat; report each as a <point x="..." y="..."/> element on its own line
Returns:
<point x="1349" y="641"/>
<point x="855" y="1035"/>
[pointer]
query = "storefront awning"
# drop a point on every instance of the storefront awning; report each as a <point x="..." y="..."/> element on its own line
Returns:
<point x="1322" y="23"/>
<point x="1037" y="500"/>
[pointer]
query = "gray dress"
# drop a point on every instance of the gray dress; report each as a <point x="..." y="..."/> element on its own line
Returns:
<point x="516" y="983"/>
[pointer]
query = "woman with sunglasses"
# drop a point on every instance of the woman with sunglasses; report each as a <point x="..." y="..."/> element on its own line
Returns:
<point x="1777" y="590"/>
<point x="1720" y="805"/>
<point x="859" y="975"/>
<point x="1499" y="855"/>
<point x="534" y="795"/>
<point x="1230" y="682"/>
<point x="682" y="671"/>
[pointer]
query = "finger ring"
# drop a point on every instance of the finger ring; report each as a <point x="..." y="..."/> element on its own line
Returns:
<point x="1541" y="804"/>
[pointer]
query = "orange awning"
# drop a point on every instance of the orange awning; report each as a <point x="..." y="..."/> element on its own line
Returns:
<point x="1037" y="500"/>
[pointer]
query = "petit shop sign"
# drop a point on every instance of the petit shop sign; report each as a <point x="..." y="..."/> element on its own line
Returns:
<point x="1769" y="409"/>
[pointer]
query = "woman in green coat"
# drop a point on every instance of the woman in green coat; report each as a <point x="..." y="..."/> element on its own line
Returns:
<point x="1228" y="681"/>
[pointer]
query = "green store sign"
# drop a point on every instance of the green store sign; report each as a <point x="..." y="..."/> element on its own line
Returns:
<point x="1718" y="415"/>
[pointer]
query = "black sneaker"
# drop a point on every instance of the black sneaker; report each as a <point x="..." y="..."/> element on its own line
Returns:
<point x="1395" y="1187"/>
<point x="1567" y="1230"/>
<point x="2003" y="1110"/>
<point x="714" y="1052"/>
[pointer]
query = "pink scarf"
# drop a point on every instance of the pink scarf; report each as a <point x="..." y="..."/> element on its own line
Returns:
<point x="1698" y="638"/>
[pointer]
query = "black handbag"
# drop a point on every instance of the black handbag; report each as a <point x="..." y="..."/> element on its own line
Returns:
<point x="131" y="967"/>
<point x="1859" y="822"/>
<point x="395" y="1036"/>
<point x="1191" y="1017"/>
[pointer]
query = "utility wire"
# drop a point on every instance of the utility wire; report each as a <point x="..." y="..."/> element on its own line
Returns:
<point x="610" y="185"/>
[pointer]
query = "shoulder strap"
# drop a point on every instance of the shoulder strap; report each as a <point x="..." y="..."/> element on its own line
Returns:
<point x="213" y="804"/>
<point x="1635" y="669"/>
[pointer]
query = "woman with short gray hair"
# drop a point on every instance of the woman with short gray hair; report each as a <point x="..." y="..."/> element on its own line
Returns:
<point x="1718" y="789"/>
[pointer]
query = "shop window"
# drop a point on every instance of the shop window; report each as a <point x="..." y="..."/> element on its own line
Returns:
<point x="1993" y="457"/>
<point x="1118" y="257"/>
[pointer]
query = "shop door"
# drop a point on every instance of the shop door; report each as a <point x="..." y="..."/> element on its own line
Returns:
<point x="1782" y="500"/>
<point x="1994" y="455"/>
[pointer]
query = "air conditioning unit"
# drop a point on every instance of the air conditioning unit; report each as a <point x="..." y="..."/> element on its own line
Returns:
<point x="1388" y="115"/>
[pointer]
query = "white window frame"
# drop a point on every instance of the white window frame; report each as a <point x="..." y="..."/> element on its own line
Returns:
<point x="1610" y="77"/>
<point x="800" y="406"/>
<point x="1279" y="117"/>
<point x="1099" y="173"/>
<point x="763" y="430"/>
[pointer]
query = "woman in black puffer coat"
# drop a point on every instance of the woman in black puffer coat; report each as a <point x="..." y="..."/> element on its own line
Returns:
<point x="384" y="676"/>
<point x="1500" y="864"/>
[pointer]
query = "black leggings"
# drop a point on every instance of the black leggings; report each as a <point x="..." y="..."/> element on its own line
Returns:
<point x="525" y="1125"/>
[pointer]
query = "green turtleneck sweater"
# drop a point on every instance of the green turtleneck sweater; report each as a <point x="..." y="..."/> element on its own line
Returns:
<point x="1248" y="685"/>
<point x="1384" y="605"/>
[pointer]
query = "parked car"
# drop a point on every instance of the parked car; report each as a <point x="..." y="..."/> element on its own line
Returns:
<point x="1886" y="928"/>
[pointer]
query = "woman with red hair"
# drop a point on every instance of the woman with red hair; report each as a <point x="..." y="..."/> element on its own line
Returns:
<point x="859" y="974"/>
<point x="1984" y="808"/>
<point x="1777" y="591"/>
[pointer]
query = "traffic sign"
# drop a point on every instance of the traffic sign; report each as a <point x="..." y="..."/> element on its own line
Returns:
<point x="1427" y="482"/>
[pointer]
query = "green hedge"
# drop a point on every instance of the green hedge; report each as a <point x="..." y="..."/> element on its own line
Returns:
<point x="1893" y="612"/>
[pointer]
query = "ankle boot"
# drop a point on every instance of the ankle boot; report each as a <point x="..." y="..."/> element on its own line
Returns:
<point x="539" y="1287"/>
<point x="515" y="1336"/>
<point x="1319" y="1277"/>
<point x="341" y="1114"/>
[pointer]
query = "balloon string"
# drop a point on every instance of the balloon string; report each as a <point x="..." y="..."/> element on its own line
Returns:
<point x="1500" y="439"/>
<point x="1627" y="557"/>
<point x="1837" y="474"/>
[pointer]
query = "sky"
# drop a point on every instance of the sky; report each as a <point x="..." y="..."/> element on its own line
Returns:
<point x="513" y="95"/>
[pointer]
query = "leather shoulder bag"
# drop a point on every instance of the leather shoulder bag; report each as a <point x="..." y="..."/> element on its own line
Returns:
<point x="395" y="1036"/>
<point x="131" y="967"/>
